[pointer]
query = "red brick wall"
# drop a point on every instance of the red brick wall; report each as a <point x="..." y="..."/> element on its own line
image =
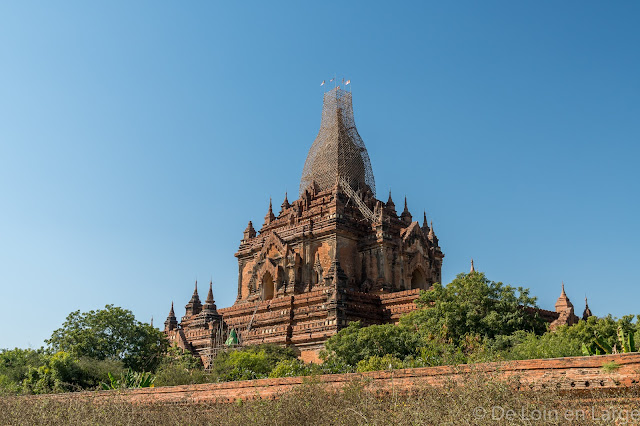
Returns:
<point x="570" y="374"/>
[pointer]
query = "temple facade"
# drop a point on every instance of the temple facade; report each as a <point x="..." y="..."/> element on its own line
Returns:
<point x="334" y="255"/>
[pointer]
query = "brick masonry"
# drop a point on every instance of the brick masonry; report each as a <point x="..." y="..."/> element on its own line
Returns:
<point x="572" y="374"/>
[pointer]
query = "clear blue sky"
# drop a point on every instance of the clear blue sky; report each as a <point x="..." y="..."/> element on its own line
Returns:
<point x="137" y="139"/>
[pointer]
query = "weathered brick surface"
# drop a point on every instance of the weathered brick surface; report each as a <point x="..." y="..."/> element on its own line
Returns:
<point x="569" y="374"/>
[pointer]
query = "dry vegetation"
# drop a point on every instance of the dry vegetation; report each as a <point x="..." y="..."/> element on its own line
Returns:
<point x="311" y="404"/>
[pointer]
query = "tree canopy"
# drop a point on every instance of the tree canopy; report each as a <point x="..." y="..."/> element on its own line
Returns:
<point x="250" y="362"/>
<point x="473" y="305"/>
<point x="110" y="333"/>
<point x="454" y="324"/>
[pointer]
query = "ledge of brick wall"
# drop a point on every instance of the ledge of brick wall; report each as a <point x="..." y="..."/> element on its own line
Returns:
<point x="568" y="374"/>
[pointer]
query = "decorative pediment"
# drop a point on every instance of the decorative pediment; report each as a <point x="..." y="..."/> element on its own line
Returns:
<point x="274" y="240"/>
<point x="412" y="232"/>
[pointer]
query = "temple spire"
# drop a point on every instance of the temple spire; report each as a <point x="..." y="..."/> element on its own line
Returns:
<point x="338" y="150"/>
<point x="285" y="204"/>
<point x="270" y="217"/>
<point x="171" y="323"/>
<point x="210" y="294"/>
<point x="473" y="269"/>
<point x="249" y="232"/>
<point x="210" y="304"/>
<point x="194" y="306"/>
<point x="390" y="206"/>
<point x="587" y="312"/>
<point x="563" y="303"/>
<point x="425" y="224"/>
<point x="432" y="236"/>
<point x="406" y="216"/>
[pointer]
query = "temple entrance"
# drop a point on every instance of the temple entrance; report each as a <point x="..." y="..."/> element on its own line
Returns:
<point x="418" y="280"/>
<point x="268" y="288"/>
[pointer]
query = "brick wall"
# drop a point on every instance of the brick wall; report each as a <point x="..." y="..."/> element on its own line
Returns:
<point x="569" y="374"/>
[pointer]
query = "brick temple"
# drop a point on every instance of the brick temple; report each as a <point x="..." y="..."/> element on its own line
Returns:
<point x="334" y="255"/>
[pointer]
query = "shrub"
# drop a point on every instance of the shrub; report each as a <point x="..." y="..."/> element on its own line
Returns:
<point x="249" y="362"/>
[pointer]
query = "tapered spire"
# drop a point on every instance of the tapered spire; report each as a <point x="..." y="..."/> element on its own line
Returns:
<point x="285" y="204"/>
<point x="406" y="216"/>
<point x="210" y="304"/>
<point x="194" y="306"/>
<point x="338" y="151"/>
<point x="473" y="269"/>
<point x="563" y="303"/>
<point x="587" y="312"/>
<point x="210" y="294"/>
<point x="195" y="296"/>
<point x="425" y="224"/>
<point x="249" y="232"/>
<point x="432" y="235"/>
<point x="270" y="217"/>
<point x="390" y="206"/>
<point x="171" y="323"/>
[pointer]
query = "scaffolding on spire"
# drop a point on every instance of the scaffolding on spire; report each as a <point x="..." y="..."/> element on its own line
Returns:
<point x="338" y="151"/>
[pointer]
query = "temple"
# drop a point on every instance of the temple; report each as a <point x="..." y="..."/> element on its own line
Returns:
<point x="336" y="254"/>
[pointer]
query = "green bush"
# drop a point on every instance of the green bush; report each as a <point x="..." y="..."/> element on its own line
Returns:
<point x="249" y="362"/>
<point x="294" y="368"/>
<point x="376" y="363"/>
<point x="356" y="343"/>
<point x="180" y="367"/>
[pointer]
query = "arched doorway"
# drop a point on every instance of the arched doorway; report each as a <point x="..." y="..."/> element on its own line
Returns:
<point x="418" y="280"/>
<point x="267" y="286"/>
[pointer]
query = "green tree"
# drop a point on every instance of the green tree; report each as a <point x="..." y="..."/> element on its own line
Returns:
<point x="473" y="305"/>
<point x="110" y="333"/>
<point x="61" y="373"/>
<point x="15" y="364"/>
<point x="37" y="371"/>
<point x="249" y="362"/>
<point x="356" y="343"/>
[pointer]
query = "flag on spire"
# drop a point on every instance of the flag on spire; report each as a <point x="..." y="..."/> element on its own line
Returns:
<point x="348" y="82"/>
<point x="331" y="81"/>
<point x="322" y="84"/>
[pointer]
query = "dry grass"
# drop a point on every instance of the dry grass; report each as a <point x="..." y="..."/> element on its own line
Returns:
<point x="311" y="404"/>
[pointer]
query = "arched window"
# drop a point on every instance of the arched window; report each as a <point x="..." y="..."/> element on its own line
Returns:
<point x="268" y="288"/>
<point x="418" y="280"/>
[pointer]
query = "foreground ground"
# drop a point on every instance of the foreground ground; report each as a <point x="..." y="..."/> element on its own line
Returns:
<point x="478" y="401"/>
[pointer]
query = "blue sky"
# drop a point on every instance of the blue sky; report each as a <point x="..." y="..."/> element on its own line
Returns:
<point x="137" y="139"/>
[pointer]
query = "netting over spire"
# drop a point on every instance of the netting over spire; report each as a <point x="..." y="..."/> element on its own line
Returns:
<point x="338" y="151"/>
